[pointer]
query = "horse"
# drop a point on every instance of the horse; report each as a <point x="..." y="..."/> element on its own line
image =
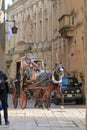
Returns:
<point x="54" y="84"/>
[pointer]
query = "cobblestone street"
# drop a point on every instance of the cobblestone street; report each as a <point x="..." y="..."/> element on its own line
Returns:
<point x="72" y="117"/>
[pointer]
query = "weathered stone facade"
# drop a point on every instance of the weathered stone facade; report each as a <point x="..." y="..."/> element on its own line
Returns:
<point x="51" y="29"/>
<point x="2" y="37"/>
<point x="85" y="40"/>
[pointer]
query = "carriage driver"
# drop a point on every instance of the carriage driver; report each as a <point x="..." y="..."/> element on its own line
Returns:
<point x="28" y="61"/>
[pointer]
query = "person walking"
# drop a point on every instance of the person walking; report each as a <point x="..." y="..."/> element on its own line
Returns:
<point x="0" y="111"/>
<point x="4" y="89"/>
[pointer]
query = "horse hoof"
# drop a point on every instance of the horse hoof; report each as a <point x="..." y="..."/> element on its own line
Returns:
<point x="61" y="107"/>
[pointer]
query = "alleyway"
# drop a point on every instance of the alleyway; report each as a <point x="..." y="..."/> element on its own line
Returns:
<point x="72" y="117"/>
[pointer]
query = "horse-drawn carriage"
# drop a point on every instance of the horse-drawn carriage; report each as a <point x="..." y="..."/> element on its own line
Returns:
<point x="36" y="83"/>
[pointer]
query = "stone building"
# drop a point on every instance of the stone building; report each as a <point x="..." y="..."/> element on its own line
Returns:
<point x="2" y="36"/>
<point x="85" y="39"/>
<point x="51" y="29"/>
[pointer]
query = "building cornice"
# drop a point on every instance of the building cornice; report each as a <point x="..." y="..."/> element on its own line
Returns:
<point x="16" y="4"/>
<point x="21" y="2"/>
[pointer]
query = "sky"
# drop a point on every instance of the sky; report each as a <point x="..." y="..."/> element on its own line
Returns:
<point x="7" y="2"/>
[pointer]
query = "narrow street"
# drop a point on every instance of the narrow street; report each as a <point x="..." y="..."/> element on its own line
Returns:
<point x="72" y="117"/>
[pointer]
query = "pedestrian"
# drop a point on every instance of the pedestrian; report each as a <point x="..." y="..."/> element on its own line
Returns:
<point x="4" y="95"/>
<point x="0" y="111"/>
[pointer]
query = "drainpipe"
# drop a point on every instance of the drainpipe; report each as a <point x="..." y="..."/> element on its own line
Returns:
<point x="85" y="41"/>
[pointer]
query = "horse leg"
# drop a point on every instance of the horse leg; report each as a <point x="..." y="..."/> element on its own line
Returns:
<point x="41" y="99"/>
<point x="35" y="103"/>
<point x="62" y="99"/>
<point x="46" y="98"/>
<point x="47" y="102"/>
<point x="38" y="101"/>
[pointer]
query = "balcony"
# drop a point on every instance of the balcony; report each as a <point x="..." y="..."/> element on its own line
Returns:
<point x="66" y="24"/>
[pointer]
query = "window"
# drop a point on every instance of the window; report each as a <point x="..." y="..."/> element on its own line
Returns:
<point x="69" y="81"/>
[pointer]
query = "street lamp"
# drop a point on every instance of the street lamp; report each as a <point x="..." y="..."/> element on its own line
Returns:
<point x="14" y="28"/>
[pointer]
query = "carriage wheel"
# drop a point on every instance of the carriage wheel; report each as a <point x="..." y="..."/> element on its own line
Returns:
<point x="23" y="100"/>
<point x="15" y="98"/>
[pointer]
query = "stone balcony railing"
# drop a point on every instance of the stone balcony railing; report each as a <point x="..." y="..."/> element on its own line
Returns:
<point x="42" y="46"/>
<point x="22" y="46"/>
<point x="66" y="26"/>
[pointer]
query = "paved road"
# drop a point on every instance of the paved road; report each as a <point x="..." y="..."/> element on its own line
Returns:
<point x="72" y="117"/>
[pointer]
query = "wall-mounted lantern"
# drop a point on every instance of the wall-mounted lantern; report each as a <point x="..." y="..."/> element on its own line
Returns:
<point x="14" y="28"/>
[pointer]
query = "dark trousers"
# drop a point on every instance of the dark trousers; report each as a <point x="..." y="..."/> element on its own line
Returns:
<point x="4" y="98"/>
